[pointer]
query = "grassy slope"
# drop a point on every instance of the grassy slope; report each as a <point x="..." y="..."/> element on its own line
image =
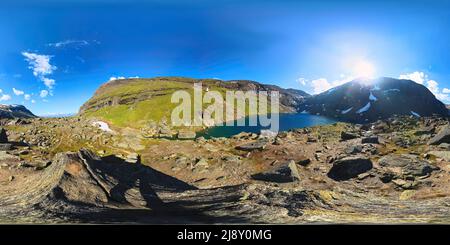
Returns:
<point x="155" y="109"/>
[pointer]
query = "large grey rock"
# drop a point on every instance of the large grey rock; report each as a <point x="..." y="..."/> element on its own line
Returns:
<point x="370" y="140"/>
<point x="256" y="145"/>
<point x="348" y="135"/>
<point x="425" y="130"/>
<point x="353" y="149"/>
<point x="443" y="136"/>
<point x="285" y="173"/>
<point x="349" y="167"/>
<point x="5" y="146"/>
<point x="406" y="165"/>
<point x="441" y="154"/>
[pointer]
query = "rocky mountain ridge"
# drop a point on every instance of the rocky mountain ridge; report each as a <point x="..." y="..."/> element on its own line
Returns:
<point x="15" y="111"/>
<point x="368" y="100"/>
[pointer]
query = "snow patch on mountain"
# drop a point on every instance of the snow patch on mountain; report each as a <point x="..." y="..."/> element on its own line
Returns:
<point x="376" y="88"/>
<point x="102" y="125"/>
<point x="364" y="109"/>
<point x="347" y="111"/>
<point x="372" y="97"/>
<point x="415" y="114"/>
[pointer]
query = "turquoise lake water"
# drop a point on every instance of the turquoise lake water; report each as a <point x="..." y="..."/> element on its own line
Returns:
<point x="287" y="121"/>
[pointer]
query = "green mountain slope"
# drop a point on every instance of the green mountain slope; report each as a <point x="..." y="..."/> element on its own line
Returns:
<point x="136" y="102"/>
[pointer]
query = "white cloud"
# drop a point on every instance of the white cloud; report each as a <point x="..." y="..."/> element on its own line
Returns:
<point x="43" y="93"/>
<point x="27" y="97"/>
<point x="17" y="92"/>
<point x="422" y="78"/>
<point x="76" y="43"/>
<point x="1" y="91"/>
<point x="321" y="85"/>
<point x="33" y="101"/>
<point x="116" y="78"/>
<point x="302" y="81"/>
<point x="433" y="86"/>
<point x="48" y="82"/>
<point x="40" y="64"/>
<point x="5" y="97"/>
<point x="417" y="76"/>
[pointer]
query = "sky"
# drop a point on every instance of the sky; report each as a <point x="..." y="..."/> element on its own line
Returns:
<point x="55" y="54"/>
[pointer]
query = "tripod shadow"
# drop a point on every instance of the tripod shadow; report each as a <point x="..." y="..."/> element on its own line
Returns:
<point x="133" y="183"/>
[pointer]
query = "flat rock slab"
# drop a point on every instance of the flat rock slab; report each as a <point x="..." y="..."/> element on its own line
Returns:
<point x="425" y="130"/>
<point x="443" y="136"/>
<point x="441" y="154"/>
<point x="370" y="140"/>
<point x="349" y="167"/>
<point x="285" y="173"/>
<point x="407" y="165"/>
<point x="256" y="145"/>
<point x="5" y="146"/>
<point x="348" y="135"/>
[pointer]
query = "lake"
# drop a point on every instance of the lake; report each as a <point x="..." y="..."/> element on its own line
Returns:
<point x="287" y="121"/>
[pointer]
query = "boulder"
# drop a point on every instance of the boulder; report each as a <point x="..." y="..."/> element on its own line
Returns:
<point x="285" y="173"/>
<point x="425" y="130"/>
<point x="353" y="149"/>
<point x="443" y="136"/>
<point x="406" y="165"/>
<point x="445" y="146"/>
<point x="202" y="162"/>
<point x="348" y="135"/>
<point x="370" y="140"/>
<point x="3" y="136"/>
<point x="5" y="146"/>
<point x="311" y="139"/>
<point x="304" y="161"/>
<point x="405" y="184"/>
<point x="256" y="145"/>
<point x="349" y="167"/>
<point x="441" y="154"/>
<point x="185" y="135"/>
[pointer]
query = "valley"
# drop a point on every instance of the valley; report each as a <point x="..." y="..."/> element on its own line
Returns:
<point x="97" y="168"/>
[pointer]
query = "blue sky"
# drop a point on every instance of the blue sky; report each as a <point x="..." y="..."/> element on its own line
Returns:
<point x="53" y="55"/>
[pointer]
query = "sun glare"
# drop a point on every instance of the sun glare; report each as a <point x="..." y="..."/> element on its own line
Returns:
<point x="364" y="69"/>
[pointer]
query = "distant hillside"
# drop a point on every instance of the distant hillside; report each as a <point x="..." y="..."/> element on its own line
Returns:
<point x="15" y="111"/>
<point x="369" y="100"/>
<point x="135" y="102"/>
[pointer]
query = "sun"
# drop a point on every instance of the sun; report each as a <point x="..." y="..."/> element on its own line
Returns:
<point x="363" y="69"/>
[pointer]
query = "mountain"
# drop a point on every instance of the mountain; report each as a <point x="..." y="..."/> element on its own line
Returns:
<point x="15" y="111"/>
<point x="135" y="102"/>
<point x="372" y="99"/>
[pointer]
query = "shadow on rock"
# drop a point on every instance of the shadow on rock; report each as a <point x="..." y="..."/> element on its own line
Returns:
<point x="135" y="184"/>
